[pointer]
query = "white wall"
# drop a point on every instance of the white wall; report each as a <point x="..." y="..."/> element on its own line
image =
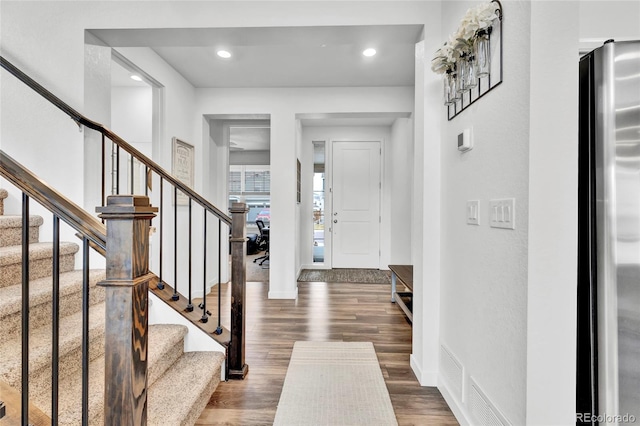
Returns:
<point x="553" y="181"/>
<point x="426" y="213"/>
<point x="131" y="115"/>
<point x="400" y="191"/>
<point x="282" y="105"/>
<point x="256" y="158"/>
<point x="603" y="20"/>
<point x="484" y="269"/>
<point x="178" y="120"/>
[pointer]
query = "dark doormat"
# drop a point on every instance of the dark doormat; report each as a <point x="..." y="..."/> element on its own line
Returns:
<point x="346" y="275"/>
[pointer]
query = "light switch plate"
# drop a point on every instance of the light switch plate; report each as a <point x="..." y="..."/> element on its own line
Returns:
<point x="473" y="212"/>
<point x="502" y="213"/>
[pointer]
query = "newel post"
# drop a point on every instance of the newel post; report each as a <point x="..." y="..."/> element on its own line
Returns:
<point x="237" y="368"/>
<point x="127" y="219"/>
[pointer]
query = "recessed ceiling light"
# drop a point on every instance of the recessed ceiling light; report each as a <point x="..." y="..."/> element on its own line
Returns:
<point x="369" y="52"/>
<point x="223" y="54"/>
<point x="136" y="77"/>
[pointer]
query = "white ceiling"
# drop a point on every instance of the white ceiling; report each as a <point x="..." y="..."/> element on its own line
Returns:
<point x="249" y="138"/>
<point x="121" y="77"/>
<point x="328" y="56"/>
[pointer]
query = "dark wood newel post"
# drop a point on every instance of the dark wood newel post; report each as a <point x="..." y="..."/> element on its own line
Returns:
<point x="237" y="368"/>
<point x="126" y="331"/>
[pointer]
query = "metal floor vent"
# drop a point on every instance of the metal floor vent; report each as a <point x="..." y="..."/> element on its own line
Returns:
<point x="482" y="410"/>
<point x="452" y="371"/>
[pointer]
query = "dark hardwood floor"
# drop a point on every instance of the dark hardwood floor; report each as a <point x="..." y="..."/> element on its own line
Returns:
<point x="322" y="312"/>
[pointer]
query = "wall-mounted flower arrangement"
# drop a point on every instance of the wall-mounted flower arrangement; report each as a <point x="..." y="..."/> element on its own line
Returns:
<point x="465" y="60"/>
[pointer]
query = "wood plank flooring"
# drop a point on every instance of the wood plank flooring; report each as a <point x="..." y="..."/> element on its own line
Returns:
<point x="322" y="312"/>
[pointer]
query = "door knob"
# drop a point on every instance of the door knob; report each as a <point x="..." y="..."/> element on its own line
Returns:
<point x="335" y="221"/>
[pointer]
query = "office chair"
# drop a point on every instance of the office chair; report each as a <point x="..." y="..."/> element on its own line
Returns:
<point x="264" y="241"/>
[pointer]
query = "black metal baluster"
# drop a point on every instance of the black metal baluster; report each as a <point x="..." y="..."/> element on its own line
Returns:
<point x="117" y="169"/>
<point x="160" y="284"/>
<point x="25" y="309"/>
<point x="85" y="331"/>
<point x="219" y="328"/>
<point x="55" y="310"/>
<point x="104" y="172"/>
<point x="146" y="181"/>
<point x="190" y="305"/>
<point x="132" y="176"/>
<point x="114" y="168"/>
<point x="175" y="296"/>
<point x="205" y="317"/>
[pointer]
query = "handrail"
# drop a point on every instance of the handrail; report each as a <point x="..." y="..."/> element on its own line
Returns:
<point x="84" y="121"/>
<point x="61" y="206"/>
<point x="79" y="219"/>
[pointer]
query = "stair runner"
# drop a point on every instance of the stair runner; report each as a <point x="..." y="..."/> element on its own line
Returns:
<point x="193" y="376"/>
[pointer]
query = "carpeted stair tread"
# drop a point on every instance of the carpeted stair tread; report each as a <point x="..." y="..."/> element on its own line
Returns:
<point x="3" y="194"/>
<point x="40" y="292"/>
<point x="166" y="345"/>
<point x="40" y="345"/>
<point x="162" y="338"/>
<point x="40" y="301"/>
<point x="15" y="221"/>
<point x="11" y="230"/>
<point x="13" y="254"/>
<point x="40" y="255"/>
<point x="193" y="377"/>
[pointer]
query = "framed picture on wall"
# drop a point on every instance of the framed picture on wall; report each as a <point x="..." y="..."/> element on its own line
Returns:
<point x="182" y="158"/>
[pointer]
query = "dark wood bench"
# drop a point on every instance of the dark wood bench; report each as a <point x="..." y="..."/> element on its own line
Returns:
<point x="404" y="299"/>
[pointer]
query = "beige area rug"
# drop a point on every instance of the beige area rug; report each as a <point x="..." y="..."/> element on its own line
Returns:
<point x="346" y="275"/>
<point x="256" y="272"/>
<point x="334" y="383"/>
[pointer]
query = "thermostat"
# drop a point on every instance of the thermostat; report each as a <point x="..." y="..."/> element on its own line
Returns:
<point x="464" y="140"/>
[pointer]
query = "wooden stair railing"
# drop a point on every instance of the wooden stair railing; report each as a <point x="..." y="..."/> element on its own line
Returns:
<point x="126" y="301"/>
<point x="125" y="241"/>
<point x="156" y="176"/>
<point x="133" y="278"/>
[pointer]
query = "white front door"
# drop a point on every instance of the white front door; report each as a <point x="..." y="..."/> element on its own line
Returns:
<point x="356" y="205"/>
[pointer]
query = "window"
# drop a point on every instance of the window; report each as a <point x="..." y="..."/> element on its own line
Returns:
<point x="235" y="182"/>
<point x="249" y="179"/>
<point x="251" y="185"/>
<point x="257" y="181"/>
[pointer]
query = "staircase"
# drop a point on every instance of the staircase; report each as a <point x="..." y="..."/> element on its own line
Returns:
<point x="193" y="376"/>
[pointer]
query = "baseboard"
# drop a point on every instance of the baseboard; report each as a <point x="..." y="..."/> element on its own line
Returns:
<point x="313" y="266"/>
<point x="425" y="378"/>
<point x="454" y="404"/>
<point x="284" y="294"/>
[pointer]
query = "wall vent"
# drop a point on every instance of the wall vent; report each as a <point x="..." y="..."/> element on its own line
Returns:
<point x="483" y="411"/>
<point x="452" y="372"/>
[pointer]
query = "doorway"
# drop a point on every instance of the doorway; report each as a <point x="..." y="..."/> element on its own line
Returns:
<point x="355" y="219"/>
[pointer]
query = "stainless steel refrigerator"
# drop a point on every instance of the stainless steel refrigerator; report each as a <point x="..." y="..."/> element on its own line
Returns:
<point x="608" y="345"/>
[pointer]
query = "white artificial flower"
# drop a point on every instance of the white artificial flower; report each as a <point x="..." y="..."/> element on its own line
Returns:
<point x="460" y="43"/>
